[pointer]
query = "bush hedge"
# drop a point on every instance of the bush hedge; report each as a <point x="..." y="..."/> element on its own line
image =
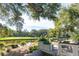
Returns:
<point x="45" y="41"/>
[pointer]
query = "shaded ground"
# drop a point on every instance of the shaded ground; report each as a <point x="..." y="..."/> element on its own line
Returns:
<point x="19" y="51"/>
<point x="35" y="53"/>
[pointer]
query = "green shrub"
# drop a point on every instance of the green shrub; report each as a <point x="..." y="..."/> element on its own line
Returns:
<point x="22" y="42"/>
<point x="45" y="41"/>
<point x="1" y="45"/>
<point x="42" y="39"/>
<point x="33" y="49"/>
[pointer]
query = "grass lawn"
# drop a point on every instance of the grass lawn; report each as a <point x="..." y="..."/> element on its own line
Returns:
<point x="19" y="38"/>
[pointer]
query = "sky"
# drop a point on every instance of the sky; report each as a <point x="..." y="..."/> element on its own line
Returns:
<point x="30" y="23"/>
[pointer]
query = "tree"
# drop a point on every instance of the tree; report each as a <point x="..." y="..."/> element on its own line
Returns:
<point x="12" y="13"/>
<point x="74" y="16"/>
<point x="33" y="33"/>
<point x="5" y="32"/>
<point x="67" y="21"/>
<point x="42" y="32"/>
<point x="44" y="10"/>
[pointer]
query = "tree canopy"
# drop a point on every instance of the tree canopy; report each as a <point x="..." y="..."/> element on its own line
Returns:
<point x="12" y="12"/>
<point x="66" y="19"/>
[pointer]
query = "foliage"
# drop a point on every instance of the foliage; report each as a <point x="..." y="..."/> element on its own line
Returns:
<point x="33" y="48"/>
<point x="1" y="45"/>
<point x="66" y="19"/>
<point x="75" y="36"/>
<point x="52" y="33"/>
<point x="74" y="13"/>
<point x="42" y="39"/>
<point x="44" y="10"/>
<point x="45" y="41"/>
<point x="5" y="32"/>
<point x="66" y="23"/>
<point x="22" y="42"/>
<point x="32" y="33"/>
<point x="11" y="12"/>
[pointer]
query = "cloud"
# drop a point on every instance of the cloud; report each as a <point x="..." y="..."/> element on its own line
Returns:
<point x="30" y="24"/>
